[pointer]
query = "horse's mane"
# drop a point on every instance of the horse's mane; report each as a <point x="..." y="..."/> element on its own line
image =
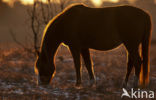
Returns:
<point x="59" y="14"/>
<point x="75" y="5"/>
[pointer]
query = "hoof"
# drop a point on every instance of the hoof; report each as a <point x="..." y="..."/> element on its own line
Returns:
<point x="124" y="84"/>
<point x="136" y="82"/>
<point x="92" y="83"/>
<point x="135" y="85"/>
<point x="78" y="86"/>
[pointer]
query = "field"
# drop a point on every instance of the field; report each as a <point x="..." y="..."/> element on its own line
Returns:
<point x="18" y="80"/>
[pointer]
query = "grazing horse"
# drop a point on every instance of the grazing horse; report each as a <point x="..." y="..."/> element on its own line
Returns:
<point x="81" y="28"/>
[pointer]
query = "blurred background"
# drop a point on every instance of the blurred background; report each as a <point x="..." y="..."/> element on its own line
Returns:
<point x="21" y="26"/>
<point x="16" y="15"/>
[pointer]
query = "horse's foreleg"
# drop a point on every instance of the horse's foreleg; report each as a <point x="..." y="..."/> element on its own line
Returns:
<point x="77" y="62"/>
<point x="129" y="69"/>
<point x="86" y="56"/>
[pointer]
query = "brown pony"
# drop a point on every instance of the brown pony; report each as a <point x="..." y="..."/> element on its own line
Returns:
<point x="81" y="28"/>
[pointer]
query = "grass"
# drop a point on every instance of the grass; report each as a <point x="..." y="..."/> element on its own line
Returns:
<point x="18" y="80"/>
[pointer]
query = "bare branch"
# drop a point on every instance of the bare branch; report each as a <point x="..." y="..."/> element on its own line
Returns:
<point x="40" y="14"/>
<point x="45" y="20"/>
<point x="19" y="43"/>
<point x="33" y="28"/>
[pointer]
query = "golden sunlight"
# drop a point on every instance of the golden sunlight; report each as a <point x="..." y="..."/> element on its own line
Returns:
<point x="114" y="1"/>
<point x="10" y="2"/>
<point x="25" y="2"/>
<point x="99" y="2"/>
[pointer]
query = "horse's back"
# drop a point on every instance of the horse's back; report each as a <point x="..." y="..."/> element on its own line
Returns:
<point x="82" y="22"/>
<point x="132" y="24"/>
<point x="108" y="27"/>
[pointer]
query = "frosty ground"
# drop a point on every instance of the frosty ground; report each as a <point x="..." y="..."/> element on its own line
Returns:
<point x="18" y="80"/>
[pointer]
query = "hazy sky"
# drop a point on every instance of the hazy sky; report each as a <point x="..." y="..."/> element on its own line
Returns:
<point x="16" y="17"/>
<point x="25" y="2"/>
<point x="28" y="2"/>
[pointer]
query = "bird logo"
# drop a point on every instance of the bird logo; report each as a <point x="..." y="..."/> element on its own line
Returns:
<point x="125" y="93"/>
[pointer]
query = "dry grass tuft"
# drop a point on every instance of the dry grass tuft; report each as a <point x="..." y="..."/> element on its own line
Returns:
<point x="18" y="81"/>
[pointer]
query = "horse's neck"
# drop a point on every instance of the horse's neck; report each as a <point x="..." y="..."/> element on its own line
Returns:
<point x="50" y="42"/>
<point x="49" y="48"/>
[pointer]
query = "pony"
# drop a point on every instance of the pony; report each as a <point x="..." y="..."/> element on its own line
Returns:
<point x="82" y="28"/>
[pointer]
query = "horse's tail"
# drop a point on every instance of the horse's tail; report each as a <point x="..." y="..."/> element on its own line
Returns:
<point x="145" y="68"/>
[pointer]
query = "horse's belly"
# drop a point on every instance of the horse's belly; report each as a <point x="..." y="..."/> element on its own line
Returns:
<point x="103" y="41"/>
<point x="104" y="45"/>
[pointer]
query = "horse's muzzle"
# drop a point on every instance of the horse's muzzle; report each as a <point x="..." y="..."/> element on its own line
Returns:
<point x="43" y="81"/>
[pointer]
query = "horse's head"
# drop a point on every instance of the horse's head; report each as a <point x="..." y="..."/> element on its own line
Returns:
<point x="44" y="70"/>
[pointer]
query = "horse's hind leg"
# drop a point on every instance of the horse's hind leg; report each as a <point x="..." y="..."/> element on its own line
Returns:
<point x="129" y="69"/>
<point x="137" y="64"/>
<point x="77" y="62"/>
<point x="86" y="56"/>
<point x="134" y="60"/>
